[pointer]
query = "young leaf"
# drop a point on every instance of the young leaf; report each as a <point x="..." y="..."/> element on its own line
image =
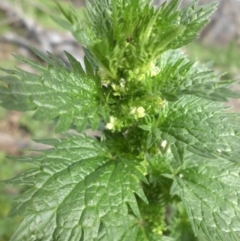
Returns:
<point x="132" y="35"/>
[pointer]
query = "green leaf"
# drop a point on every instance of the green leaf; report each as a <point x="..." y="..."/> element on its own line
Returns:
<point x="145" y="127"/>
<point x="194" y="18"/>
<point x="76" y="65"/>
<point x="202" y="127"/>
<point x="78" y="192"/>
<point x="210" y="193"/>
<point x="56" y="91"/>
<point x="177" y="150"/>
<point x="178" y="76"/>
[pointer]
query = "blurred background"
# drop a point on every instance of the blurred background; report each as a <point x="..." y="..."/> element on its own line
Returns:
<point x="25" y="23"/>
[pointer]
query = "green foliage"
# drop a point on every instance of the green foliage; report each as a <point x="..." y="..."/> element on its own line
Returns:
<point x="214" y="208"/>
<point x="166" y="165"/>
<point x="74" y="178"/>
<point x="49" y="92"/>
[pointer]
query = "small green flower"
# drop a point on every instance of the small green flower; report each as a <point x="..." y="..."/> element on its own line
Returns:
<point x="138" y="112"/>
<point x="114" y="124"/>
<point x="111" y="124"/>
<point x="119" y="89"/>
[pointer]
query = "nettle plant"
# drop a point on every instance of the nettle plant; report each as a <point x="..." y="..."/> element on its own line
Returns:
<point x="166" y="164"/>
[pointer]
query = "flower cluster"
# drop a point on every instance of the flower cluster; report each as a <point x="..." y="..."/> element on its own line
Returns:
<point x="138" y="112"/>
<point x="115" y="124"/>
